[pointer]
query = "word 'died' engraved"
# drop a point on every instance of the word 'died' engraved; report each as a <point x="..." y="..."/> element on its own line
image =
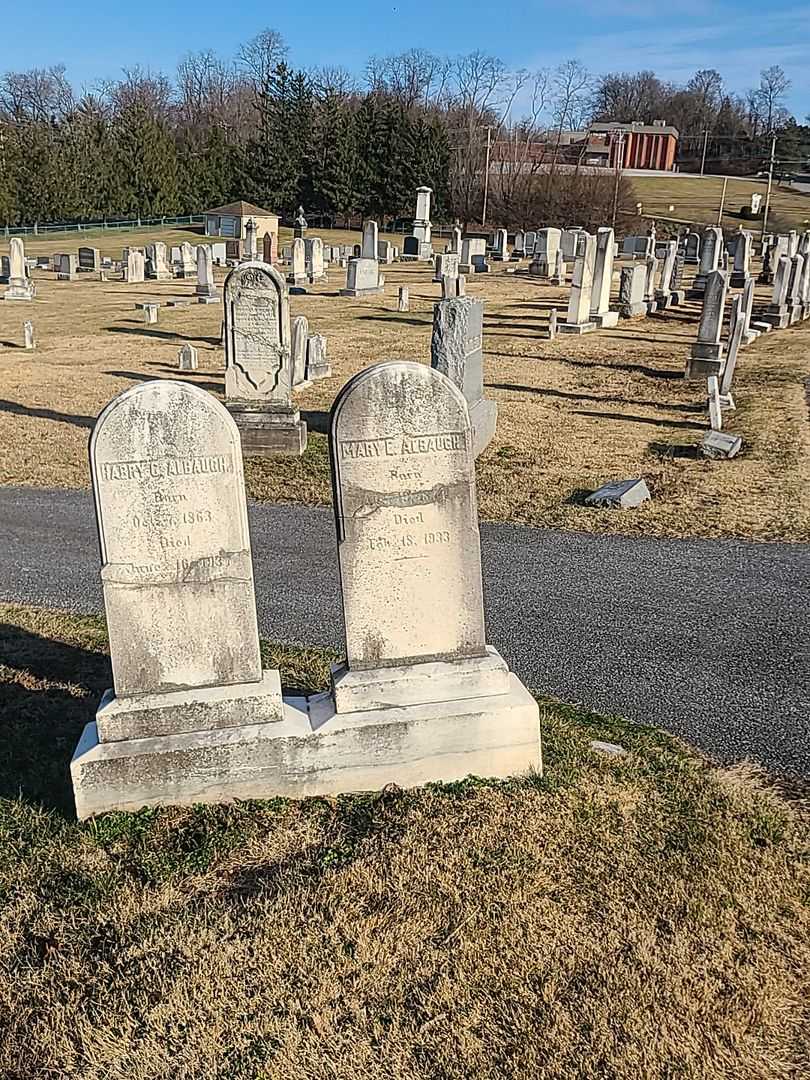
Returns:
<point x="408" y="543"/>
<point x="402" y="445"/>
<point x="176" y="566"/>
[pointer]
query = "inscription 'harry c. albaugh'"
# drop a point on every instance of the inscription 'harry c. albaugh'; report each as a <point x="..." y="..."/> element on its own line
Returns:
<point x="403" y="445"/>
<point x="159" y="468"/>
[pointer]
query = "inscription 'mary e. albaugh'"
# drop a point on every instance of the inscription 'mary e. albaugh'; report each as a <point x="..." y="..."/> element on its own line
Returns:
<point x="403" y="445"/>
<point x="159" y="468"/>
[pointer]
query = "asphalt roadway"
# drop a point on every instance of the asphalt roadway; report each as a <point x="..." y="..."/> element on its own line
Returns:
<point x="706" y="638"/>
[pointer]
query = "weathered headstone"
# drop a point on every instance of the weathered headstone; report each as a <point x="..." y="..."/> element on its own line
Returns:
<point x="191" y="703"/>
<point x="578" y="319"/>
<point x="370" y="243"/>
<point x="742" y="260"/>
<point x="298" y="270"/>
<point x="631" y="291"/>
<point x="20" y="286"/>
<point x="206" y="289"/>
<point x="620" y="495"/>
<point x="317" y="362"/>
<point x="445" y="264"/>
<point x="715" y="408"/>
<point x="135" y="267"/>
<point x="795" y="293"/>
<point x="157" y="263"/>
<point x="187" y="359"/>
<point x="270" y="248"/>
<point x="418" y="245"/>
<point x="558" y="273"/>
<point x="456" y="350"/>
<point x="778" y="311"/>
<point x="519" y="246"/>
<point x="706" y="357"/>
<point x="499" y="248"/>
<point x="363" y="278"/>
<point x="730" y="366"/>
<point x="89" y="259"/>
<point x="300" y="334"/>
<point x="385" y="252"/>
<point x="403" y="298"/>
<point x="552" y="324"/>
<point x="313" y="251"/>
<point x="150" y="313"/>
<point x="692" y="249"/>
<point x="251" y="248"/>
<point x="29" y="337"/>
<point x="545" y="245"/>
<point x="410" y="571"/>
<point x="603" y="281"/>
<point x="710" y="249"/>
<point x="471" y="248"/>
<point x="258" y="361"/>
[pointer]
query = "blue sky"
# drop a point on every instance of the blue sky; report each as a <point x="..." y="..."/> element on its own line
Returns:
<point x="95" y="39"/>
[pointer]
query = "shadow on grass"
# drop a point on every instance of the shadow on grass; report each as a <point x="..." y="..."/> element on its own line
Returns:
<point x="165" y="335"/>
<point x="393" y="317"/>
<point x="671" y="451"/>
<point x="184" y="376"/>
<point x="574" y="396"/>
<point x="52" y="692"/>
<point x="316" y="420"/>
<point x="46" y="414"/>
<point x="687" y="424"/>
<point x="641" y="369"/>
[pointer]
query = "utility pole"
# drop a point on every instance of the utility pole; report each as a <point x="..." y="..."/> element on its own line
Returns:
<point x="619" y="167"/>
<point x="770" y="185"/>
<point x="486" y="176"/>
<point x="722" y="201"/>
<point x="705" y="148"/>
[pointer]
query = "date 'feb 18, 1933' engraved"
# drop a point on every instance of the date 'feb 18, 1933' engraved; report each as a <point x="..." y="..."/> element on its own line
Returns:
<point x="403" y="445"/>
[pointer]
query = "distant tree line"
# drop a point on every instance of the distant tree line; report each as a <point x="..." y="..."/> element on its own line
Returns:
<point x="256" y="128"/>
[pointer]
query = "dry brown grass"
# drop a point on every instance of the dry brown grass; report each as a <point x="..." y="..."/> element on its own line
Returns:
<point x="697" y="199"/>
<point x="643" y="916"/>
<point x="573" y="413"/>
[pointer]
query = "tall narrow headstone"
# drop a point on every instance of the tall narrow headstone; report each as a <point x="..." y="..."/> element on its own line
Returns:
<point x="499" y="248"/>
<point x="692" y="249"/>
<point x="30" y="340"/>
<point x="300" y="334"/>
<point x="631" y="291"/>
<point x="20" y="286"/>
<point x="417" y="661"/>
<point x="371" y="237"/>
<point x="403" y="298"/>
<point x="258" y="361"/>
<point x="603" y="281"/>
<point x="778" y="311"/>
<point x="206" y="290"/>
<point x="710" y="251"/>
<point x="251" y="241"/>
<point x="317" y="361"/>
<point x="418" y="245"/>
<point x="706" y="357"/>
<point x="270" y="248"/>
<point x="135" y="269"/>
<point x="313" y="248"/>
<point x="298" y="270"/>
<point x="191" y="703"/>
<point x="742" y="260"/>
<point x="456" y="350"/>
<point x="545" y="246"/>
<point x="578" y="320"/>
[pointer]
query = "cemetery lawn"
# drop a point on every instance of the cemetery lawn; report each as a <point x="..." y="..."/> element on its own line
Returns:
<point x="696" y="199"/>
<point x="640" y="915"/>
<point x="573" y="413"/>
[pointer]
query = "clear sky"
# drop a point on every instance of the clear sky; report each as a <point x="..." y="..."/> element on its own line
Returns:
<point x="95" y="39"/>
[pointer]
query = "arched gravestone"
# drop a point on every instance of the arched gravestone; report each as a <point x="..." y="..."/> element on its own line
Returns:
<point x="193" y="717"/>
<point x="166" y="467"/>
<point x="257" y="335"/>
<point x="405" y="507"/>
<point x="258" y="361"/>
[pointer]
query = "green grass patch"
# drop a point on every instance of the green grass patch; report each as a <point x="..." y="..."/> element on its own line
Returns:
<point x="643" y="915"/>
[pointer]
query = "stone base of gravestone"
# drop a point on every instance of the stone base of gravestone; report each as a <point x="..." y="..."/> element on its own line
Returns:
<point x="576" y="328"/>
<point x="698" y="288"/>
<point x="312" y="750"/>
<point x="634" y="311"/>
<point x="269" y="429"/>
<point x="738" y="280"/>
<point x="779" y="318"/>
<point x="209" y="299"/>
<point x="677" y="298"/>
<point x="20" y="292"/>
<point x="606" y="320"/>
<point x="700" y="366"/>
<point x="762" y="327"/>
<point x="796" y="314"/>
